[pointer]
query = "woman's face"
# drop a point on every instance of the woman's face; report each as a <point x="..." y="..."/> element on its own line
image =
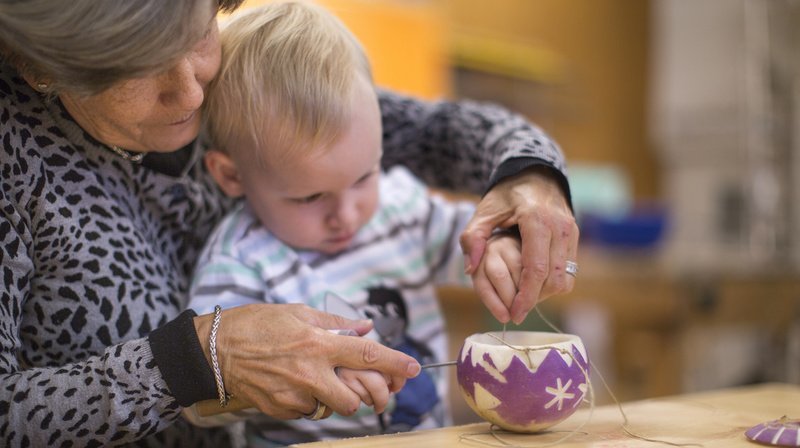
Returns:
<point x="156" y="113"/>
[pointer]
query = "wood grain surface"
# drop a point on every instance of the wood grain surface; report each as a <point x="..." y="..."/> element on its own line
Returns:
<point x="709" y="419"/>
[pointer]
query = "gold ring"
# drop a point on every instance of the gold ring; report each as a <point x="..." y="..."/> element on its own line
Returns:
<point x="317" y="413"/>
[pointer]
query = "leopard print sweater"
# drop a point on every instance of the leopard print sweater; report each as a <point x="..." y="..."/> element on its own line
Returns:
<point x="96" y="254"/>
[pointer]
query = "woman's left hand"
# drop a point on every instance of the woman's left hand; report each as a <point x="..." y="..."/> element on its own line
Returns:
<point x="534" y="202"/>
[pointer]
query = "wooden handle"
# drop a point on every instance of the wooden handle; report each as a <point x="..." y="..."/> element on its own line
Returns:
<point x="208" y="408"/>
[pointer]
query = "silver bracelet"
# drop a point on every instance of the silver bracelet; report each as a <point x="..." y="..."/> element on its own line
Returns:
<point x="212" y="347"/>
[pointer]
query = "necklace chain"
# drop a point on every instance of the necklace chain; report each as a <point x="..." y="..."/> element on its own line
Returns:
<point x="132" y="157"/>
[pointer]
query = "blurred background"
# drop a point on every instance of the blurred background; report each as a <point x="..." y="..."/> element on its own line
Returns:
<point x="680" y="120"/>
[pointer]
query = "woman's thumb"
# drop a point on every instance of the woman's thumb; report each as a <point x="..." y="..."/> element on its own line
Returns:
<point x="473" y="242"/>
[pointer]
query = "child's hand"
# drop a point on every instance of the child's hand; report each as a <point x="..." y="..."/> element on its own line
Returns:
<point x="497" y="278"/>
<point x="370" y="385"/>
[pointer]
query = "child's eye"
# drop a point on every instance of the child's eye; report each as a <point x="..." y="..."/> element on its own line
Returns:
<point x="365" y="178"/>
<point x="307" y="199"/>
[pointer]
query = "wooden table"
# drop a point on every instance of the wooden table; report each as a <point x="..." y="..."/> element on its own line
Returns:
<point x="709" y="419"/>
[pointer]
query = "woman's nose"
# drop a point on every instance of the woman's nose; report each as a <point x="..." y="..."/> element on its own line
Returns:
<point x="182" y="88"/>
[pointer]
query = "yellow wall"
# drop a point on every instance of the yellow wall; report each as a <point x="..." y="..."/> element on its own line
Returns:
<point x="591" y="56"/>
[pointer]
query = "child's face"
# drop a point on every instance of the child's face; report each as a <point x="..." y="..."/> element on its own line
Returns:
<point x="319" y="201"/>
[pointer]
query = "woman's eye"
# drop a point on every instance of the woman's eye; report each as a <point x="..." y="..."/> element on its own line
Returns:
<point x="207" y="35"/>
<point x="204" y="41"/>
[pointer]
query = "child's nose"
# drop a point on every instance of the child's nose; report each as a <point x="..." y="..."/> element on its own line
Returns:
<point x="346" y="214"/>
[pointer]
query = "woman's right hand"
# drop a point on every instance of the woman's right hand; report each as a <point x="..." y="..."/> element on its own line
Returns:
<point x="281" y="359"/>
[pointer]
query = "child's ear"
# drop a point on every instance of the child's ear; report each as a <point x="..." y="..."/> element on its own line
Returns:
<point x="224" y="171"/>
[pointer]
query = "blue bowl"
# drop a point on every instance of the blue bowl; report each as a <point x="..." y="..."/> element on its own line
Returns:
<point x="640" y="228"/>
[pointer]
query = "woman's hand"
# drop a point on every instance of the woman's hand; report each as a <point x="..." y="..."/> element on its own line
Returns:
<point x="534" y="202"/>
<point x="281" y="358"/>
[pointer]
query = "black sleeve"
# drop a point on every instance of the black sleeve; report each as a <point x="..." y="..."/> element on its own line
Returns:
<point x="181" y="360"/>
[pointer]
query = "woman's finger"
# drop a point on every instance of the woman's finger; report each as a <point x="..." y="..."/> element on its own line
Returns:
<point x="473" y="239"/>
<point x="329" y="321"/>
<point x="279" y="410"/>
<point x="536" y="238"/>
<point x="563" y="249"/>
<point x="365" y="354"/>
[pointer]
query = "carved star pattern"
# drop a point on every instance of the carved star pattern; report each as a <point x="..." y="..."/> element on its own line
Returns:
<point x="559" y="394"/>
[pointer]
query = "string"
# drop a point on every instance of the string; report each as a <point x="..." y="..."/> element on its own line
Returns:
<point x="625" y="421"/>
<point x="495" y="432"/>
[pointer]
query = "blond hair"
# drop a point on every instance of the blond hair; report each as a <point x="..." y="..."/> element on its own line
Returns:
<point x="87" y="46"/>
<point x="288" y="70"/>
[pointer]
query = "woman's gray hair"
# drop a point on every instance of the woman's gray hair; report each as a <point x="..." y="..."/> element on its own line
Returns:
<point x="86" y="46"/>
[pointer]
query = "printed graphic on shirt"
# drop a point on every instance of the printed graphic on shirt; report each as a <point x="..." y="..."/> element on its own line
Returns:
<point x="387" y="309"/>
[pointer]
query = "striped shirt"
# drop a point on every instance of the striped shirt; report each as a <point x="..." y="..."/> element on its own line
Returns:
<point x="388" y="274"/>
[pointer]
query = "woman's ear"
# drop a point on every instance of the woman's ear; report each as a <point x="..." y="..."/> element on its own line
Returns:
<point x="37" y="84"/>
<point x="224" y="171"/>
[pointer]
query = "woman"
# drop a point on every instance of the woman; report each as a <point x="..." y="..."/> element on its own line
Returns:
<point x="105" y="206"/>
